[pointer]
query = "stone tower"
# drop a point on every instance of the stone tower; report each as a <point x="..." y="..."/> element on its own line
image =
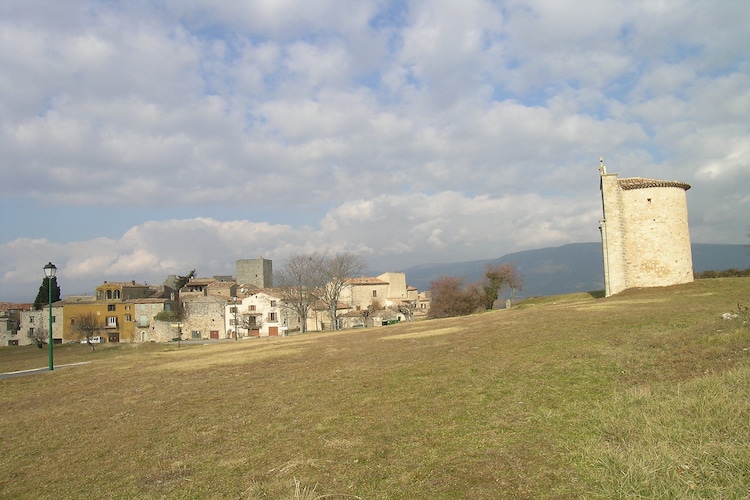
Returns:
<point x="257" y="272"/>
<point x="645" y="236"/>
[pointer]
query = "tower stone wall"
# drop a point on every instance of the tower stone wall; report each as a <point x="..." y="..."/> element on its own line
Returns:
<point x="645" y="235"/>
<point x="257" y="272"/>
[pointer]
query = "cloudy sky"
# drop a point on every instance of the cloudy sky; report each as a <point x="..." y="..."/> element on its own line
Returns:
<point x="146" y="138"/>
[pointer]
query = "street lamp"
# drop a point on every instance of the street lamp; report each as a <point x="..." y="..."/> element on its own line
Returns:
<point x="236" y="328"/>
<point x="49" y="271"/>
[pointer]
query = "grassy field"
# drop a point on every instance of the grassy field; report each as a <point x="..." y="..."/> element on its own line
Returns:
<point x="645" y="394"/>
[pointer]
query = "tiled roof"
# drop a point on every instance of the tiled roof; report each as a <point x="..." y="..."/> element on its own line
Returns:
<point x="148" y="300"/>
<point x="365" y="280"/>
<point x="6" y="306"/>
<point x="642" y="183"/>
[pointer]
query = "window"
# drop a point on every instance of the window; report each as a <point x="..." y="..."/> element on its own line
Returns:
<point x="143" y="320"/>
<point x="109" y="294"/>
<point x="128" y="317"/>
<point x="273" y="303"/>
<point x="111" y="322"/>
<point x="99" y="295"/>
<point x="54" y="319"/>
<point x="272" y="316"/>
<point x="31" y="331"/>
<point x="233" y="309"/>
<point x="252" y="307"/>
<point x="72" y="321"/>
<point x="110" y="307"/>
<point x="127" y="308"/>
<point x="117" y="294"/>
<point x="196" y="334"/>
<point x="374" y="293"/>
<point x="31" y="319"/>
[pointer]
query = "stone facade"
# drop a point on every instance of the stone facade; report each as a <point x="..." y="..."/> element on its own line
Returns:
<point x="203" y="318"/>
<point x="645" y="235"/>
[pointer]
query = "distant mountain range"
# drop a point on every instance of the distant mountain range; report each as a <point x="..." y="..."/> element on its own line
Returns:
<point x="576" y="267"/>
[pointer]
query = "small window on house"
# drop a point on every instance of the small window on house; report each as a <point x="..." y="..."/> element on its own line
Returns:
<point x="109" y="294"/>
<point x="272" y="316"/>
<point x="233" y="309"/>
<point x="72" y="321"/>
<point x="31" y="319"/>
<point x="117" y="294"/>
<point x="99" y="295"/>
<point x="127" y="308"/>
<point x="252" y="307"/>
<point x="31" y="331"/>
<point x="273" y="303"/>
<point x="54" y="319"/>
<point x="127" y="317"/>
<point x="110" y="307"/>
<point x="374" y="293"/>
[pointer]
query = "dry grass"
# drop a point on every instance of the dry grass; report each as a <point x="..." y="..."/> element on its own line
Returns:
<point x="642" y="394"/>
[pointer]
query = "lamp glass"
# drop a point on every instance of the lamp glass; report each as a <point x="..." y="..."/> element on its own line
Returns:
<point x="49" y="270"/>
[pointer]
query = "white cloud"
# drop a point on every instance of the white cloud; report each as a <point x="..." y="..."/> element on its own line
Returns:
<point x="389" y="231"/>
<point x="461" y="130"/>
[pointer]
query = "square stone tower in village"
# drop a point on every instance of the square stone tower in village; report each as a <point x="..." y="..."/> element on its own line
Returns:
<point x="257" y="272"/>
<point x="645" y="236"/>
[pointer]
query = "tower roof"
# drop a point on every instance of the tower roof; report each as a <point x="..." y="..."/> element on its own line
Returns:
<point x="643" y="183"/>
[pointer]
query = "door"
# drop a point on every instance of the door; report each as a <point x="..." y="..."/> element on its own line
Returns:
<point x="214" y="334"/>
<point x="273" y="331"/>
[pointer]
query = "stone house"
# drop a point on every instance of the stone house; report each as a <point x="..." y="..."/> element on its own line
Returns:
<point x="372" y="301"/>
<point x="203" y="317"/>
<point x="10" y="324"/>
<point x="31" y="320"/>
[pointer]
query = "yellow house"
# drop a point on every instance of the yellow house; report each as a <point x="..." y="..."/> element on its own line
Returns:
<point x="123" y="311"/>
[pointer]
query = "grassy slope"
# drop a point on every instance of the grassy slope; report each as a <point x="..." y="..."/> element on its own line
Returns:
<point x="641" y="394"/>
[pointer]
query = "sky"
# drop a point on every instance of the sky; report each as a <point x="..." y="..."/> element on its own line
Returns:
<point x="146" y="138"/>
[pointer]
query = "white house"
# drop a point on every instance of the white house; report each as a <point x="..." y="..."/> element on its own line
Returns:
<point x="261" y="314"/>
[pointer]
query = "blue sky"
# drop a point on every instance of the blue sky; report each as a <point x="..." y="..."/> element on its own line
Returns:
<point x="145" y="138"/>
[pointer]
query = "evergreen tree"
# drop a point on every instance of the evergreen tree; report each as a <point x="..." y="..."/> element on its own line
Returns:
<point x="42" y="298"/>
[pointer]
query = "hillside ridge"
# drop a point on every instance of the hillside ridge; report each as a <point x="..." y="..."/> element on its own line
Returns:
<point x="574" y="267"/>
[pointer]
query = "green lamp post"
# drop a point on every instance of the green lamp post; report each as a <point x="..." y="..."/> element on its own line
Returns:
<point x="49" y="271"/>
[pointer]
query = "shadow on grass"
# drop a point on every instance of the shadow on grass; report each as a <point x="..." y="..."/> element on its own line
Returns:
<point x="596" y="294"/>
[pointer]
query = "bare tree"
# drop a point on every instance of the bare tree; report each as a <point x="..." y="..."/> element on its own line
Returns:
<point x="248" y="322"/>
<point x="86" y="326"/>
<point x="332" y="280"/>
<point x="407" y="309"/>
<point x="38" y="336"/>
<point x="298" y="280"/>
<point x="314" y="278"/>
